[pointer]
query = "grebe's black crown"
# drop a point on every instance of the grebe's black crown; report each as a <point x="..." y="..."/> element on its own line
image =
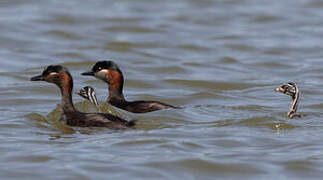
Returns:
<point x="110" y="65"/>
<point x="54" y="68"/>
<point x="291" y="83"/>
<point x="48" y="72"/>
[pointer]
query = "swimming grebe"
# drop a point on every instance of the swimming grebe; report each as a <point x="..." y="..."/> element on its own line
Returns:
<point x="60" y="76"/>
<point x="292" y="90"/>
<point x="88" y="93"/>
<point x="109" y="72"/>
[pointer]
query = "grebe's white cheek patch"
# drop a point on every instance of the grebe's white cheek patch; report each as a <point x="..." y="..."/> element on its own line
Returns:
<point x="102" y="74"/>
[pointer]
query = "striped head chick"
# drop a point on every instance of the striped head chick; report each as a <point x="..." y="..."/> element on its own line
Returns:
<point x="88" y="93"/>
<point x="291" y="90"/>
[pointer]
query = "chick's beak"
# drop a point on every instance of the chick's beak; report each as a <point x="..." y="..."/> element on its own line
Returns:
<point x="280" y="90"/>
<point x="38" y="78"/>
<point x="78" y="92"/>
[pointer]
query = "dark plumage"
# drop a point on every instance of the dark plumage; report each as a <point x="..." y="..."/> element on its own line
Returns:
<point x="109" y="72"/>
<point x="60" y="76"/>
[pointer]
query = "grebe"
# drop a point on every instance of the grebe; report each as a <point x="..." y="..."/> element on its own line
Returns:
<point x="60" y="76"/>
<point x="88" y="93"/>
<point x="292" y="90"/>
<point x="109" y="72"/>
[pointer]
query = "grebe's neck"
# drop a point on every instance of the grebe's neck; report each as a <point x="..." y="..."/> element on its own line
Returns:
<point x="294" y="106"/>
<point x="66" y="87"/>
<point x="116" y="85"/>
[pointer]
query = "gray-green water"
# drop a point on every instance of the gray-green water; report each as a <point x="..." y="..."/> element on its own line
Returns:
<point x="219" y="59"/>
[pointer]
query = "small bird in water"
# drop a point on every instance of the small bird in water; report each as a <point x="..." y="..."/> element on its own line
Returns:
<point x="109" y="72"/>
<point x="60" y="76"/>
<point x="292" y="90"/>
<point x="88" y="93"/>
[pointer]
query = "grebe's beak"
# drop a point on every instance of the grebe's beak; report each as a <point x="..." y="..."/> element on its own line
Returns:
<point x="78" y="92"/>
<point x="38" y="78"/>
<point x="280" y="90"/>
<point x="90" y="73"/>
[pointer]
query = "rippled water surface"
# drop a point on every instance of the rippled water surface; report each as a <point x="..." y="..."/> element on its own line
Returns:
<point x="218" y="59"/>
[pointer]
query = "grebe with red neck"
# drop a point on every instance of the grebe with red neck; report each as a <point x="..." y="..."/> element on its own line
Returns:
<point x="109" y="72"/>
<point x="60" y="76"/>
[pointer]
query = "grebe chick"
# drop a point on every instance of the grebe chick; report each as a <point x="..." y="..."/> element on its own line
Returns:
<point x="109" y="72"/>
<point x="292" y="90"/>
<point x="88" y="93"/>
<point x="60" y="76"/>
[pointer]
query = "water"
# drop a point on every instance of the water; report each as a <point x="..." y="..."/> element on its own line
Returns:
<point x="220" y="60"/>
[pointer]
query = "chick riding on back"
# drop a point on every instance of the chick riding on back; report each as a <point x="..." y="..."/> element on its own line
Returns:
<point x="60" y="76"/>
